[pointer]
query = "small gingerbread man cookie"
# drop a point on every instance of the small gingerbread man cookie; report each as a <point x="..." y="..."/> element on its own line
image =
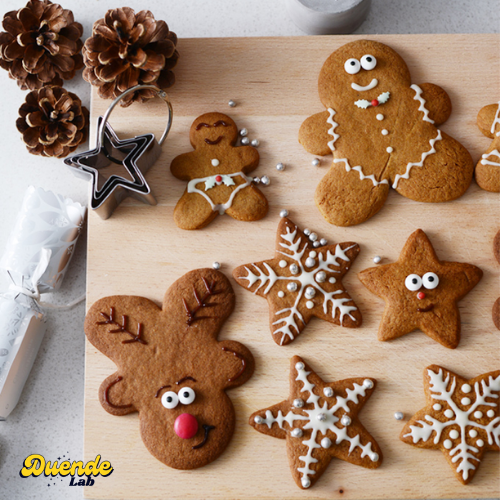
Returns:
<point x="217" y="175"/>
<point x="488" y="167"/>
<point x="382" y="132"/>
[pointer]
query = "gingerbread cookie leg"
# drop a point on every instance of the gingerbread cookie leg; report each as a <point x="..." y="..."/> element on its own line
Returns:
<point x="250" y="205"/>
<point x="189" y="213"/>
<point x="443" y="172"/>
<point x="345" y="200"/>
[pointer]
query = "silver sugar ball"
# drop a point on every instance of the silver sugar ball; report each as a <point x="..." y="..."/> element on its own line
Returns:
<point x="243" y="132"/>
<point x="316" y="244"/>
<point x="326" y="443"/>
<point x="231" y="103"/>
<point x="323" y="242"/>
<point x="313" y="236"/>
<point x="315" y="162"/>
<point x="310" y="292"/>
<point x="399" y="415"/>
<point x="307" y="232"/>
<point x="346" y="420"/>
<point x="245" y="141"/>
<point x="292" y="287"/>
<point x="321" y="417"/>
<point x="258" y="419"/>
<point x="256" y="180"/>
<point x="265" y="180"/>
<point x="328" y="392"/>
<point x="368" y="383"/>
<point x="300" y="366"/>
<point x="321" y="277"/>
<point x="298" y="403"/>
<point x="306" y="482"/>
<point x="294" y="269"/>
<point x="310" y="262"/>
<point x="216" y="265"/>
<point x="297" y="433"/>
<point x="255" y="143"/>
<point x="280" y="167"/>
<point x="284" y="213"/>
<point x="377" y="259"/>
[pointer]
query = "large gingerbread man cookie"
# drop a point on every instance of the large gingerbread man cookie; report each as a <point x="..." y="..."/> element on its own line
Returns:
<point x="217" y="175"/>
<point x="171" y="367"/>
<point x="382" y="132"/>
<point x="488" y="167"/>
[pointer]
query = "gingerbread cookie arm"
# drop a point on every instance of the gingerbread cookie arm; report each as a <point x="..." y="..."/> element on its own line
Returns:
<point x="313" y="134"/>
<point x="437" y="102"/>
<point x="464" y="277"/>
<point x="488" y="120"/>
<point x="273" y="418"/>
<point x="249" y="157"/>
<point x="184" y="166"/>
<point x="249" y="204"/>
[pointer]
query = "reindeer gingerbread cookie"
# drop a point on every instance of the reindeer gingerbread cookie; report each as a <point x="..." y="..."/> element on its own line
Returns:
<point x="217" y="175"/>
<point x="171" y="368"/>
<point x="488" y="167"/>
<point x="382" y="132"/>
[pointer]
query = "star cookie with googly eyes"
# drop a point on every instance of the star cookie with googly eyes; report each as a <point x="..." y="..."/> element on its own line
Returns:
<point x="461" y="419"/>
<point x="421" y="292"/>
<point x="319" y="421"/>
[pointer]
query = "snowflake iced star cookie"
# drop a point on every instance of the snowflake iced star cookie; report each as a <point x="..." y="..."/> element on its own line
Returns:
<point x="319" y="422"/>
<point x="301" y="282"/>
<point x="217" y="175"/>
<point x="421" y="291"/>
<point x="381" y="130"/>
<point x="461" y="418"/>
<point x="488" y="167"/>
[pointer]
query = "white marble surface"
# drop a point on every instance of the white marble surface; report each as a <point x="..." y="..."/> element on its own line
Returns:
<point x="49" y="417"/>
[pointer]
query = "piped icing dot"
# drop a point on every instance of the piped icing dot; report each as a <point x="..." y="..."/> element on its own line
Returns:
<point x="292" y="287"/>
<point x="478" y="414"/>
<point x="296" y="433"/>
<point x="480" y="442"/>
<point x="215" y="162"/>
<point x="258" y="419"/>
<point x="281" y="294"/>
<point x="283" y="263"/>
<point x="326" y="443"/>
<point x="328" y="392"/>
<point x="447" y="444"/>
<point x="389" y="149"/>
<point x="299" y="403"/>
<point x="436" y="406"/>
<point x="312" y="254"/>
<point x="473" y="433"/>
<point x="385" y="131"/>
<point x="466" y="388"/>
<point x="368" y="383"/>
<point x="454" y="434"/>
<point x="465" y="401"/>
<point x="490" y="413"/>
<point x="380" y="117"/>
<point x="449" y="413"/>
<point x="309" y="304"/>
<point x="332" y="280"/>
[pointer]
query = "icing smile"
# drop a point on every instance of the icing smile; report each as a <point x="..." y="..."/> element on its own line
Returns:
<point x="425" y="309"/>
<point x="370" y="86"/>
<point x="207" y="429"/>
<point x="216" y="141"/>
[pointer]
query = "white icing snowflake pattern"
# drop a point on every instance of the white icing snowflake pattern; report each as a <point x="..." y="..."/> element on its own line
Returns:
<point x="479" y="420"/>
<point x="309" y="275"/>
<point x="327" y="429"/>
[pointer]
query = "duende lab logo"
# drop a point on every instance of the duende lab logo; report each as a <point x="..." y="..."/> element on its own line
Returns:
<point x="36" y="465"/>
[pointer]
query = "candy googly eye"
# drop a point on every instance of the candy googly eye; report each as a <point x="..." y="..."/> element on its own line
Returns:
<point x="170" y="400"/>
<point x="368" y="62"/>
<point x="352" y="66"/>
<point x="186" y="395"/>
<point x="413" y="282"/>
<point x="430" y="280"/>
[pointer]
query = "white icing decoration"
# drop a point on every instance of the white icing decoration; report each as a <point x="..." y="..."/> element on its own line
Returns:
<point x="360" y="88"/>
<point x="385" y="132"/>
<point x="444" y="389"/>
<point x="309" y="304"/>
<point x="449" y="414"/>
<point x="359" y="169"/>
<point x="478" y="414"/>
<point x="496" y="120"/>
<point x="473" y="433"/>
<point x="480" y="443"/>
<point x="331" y="131"/>
<point x="454" y="434"/>
<point x="466" y="388"/>
<point x="410" y="165"/>
<point x="490" y="413"/>
<point x="365" y="104"/>
<point x="322" y="427"/>
<point x="418" y="97"/>
<point x="221" y="208"/>
<point x="215" y="162"/>
<point x="447" y="444"/>
<point x="332" y="280"/>
<point x="313" y="253"/>
<point x="437" y="407"/>
<point x="485" y="161"/>
<point x="291" y="243"/>
<point x="380" y="117"/>
<point x="389" y="149"/>
<point x="466" y="401"/>
<point x="384" y="97"/>
<point x="281" y="294"/>
<point x="283" y="263"/>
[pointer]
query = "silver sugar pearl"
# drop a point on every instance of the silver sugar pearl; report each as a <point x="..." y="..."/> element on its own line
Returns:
<point x="310" y="262"/>
<point x="255" y="143"/>
<point x="298" y="403"/>
<point x="243" y="132"/>
<point x="231" y="103"/>
<point x="245" y="141"/>
<point x="316" y="244"/>
<point x="258" y="419"/>
<point x="307" y="232"/>
<point x="326" y="443"/>
<point x="284" y="213"/>
<point x="294" y="268"/>
<point x="310" y="292"/>
<point x="280" y="167"/>
<point x="368" y="383"/>
<point x="216" y="265"/>
<point x="323" y="241"/>
<point x="321" y="417"/>
<point x="297" y="433"/>
<point x="306" y="482"/>
<point x="399" y="415"/>
<point x="256" y="180"/>
<point x="265" y="180"/>
<point x="315" y="162"/>
<point x="377" y="259"/>
<point x="313" y="236"/>
<point x="346" y="420"/>
<point x="328" y="392"/>
<point x="321" y="277"/>
<point x="292" y="287"/>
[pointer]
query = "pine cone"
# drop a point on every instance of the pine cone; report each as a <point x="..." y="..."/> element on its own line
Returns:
<point x="40" y="45"/>
<point x="53" y="122"/>
<point x="127" y="49"/>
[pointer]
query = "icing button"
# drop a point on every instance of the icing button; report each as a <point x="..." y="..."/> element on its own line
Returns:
<point x="215" y="162"/>
<point x="309" y="304"/>
<point x="380" y="117"/>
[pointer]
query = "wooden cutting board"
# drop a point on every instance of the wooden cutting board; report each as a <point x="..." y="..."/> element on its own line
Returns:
<point x="140" y="251"/>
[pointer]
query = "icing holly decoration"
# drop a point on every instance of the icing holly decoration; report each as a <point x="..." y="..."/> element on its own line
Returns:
<point x="461" y="418"/>
<point x="301" y="282"/>
<point x="171" y="368"/>
<point x="421" y="291"/>
<point x="382" y="132"/>
<point x="217" y="173"/>
<point x="319" y="422"/>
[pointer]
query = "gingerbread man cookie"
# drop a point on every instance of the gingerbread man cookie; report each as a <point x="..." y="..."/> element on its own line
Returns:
<point x="171" y="368"/>
<point x="217" y="175"/>
<point x="382" y="132"/>
<point x="488" y="167"/>
<point x="302" y="281"/>
<point x="319" y="421"/>
<point x="421" y="291"/>
<point x="461" y="418"/>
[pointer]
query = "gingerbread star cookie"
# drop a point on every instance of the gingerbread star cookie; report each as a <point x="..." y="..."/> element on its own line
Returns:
<point x="421" y="291"/>
<point x="319" y="421"/>
<point x="382" y="131"/>
<point x="217" y="175"/>
<point x="302" y="281"/>
<point x="461" y="418"/>
<point x="488" y="167"/>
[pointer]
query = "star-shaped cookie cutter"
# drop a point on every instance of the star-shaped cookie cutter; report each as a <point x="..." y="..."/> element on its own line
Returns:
<point x="136" y="155"/>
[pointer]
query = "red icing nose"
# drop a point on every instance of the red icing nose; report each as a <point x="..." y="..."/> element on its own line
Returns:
<point x="374" y="102"/>
<point x="186" y="426"/>
<point x="420" y="295"/>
